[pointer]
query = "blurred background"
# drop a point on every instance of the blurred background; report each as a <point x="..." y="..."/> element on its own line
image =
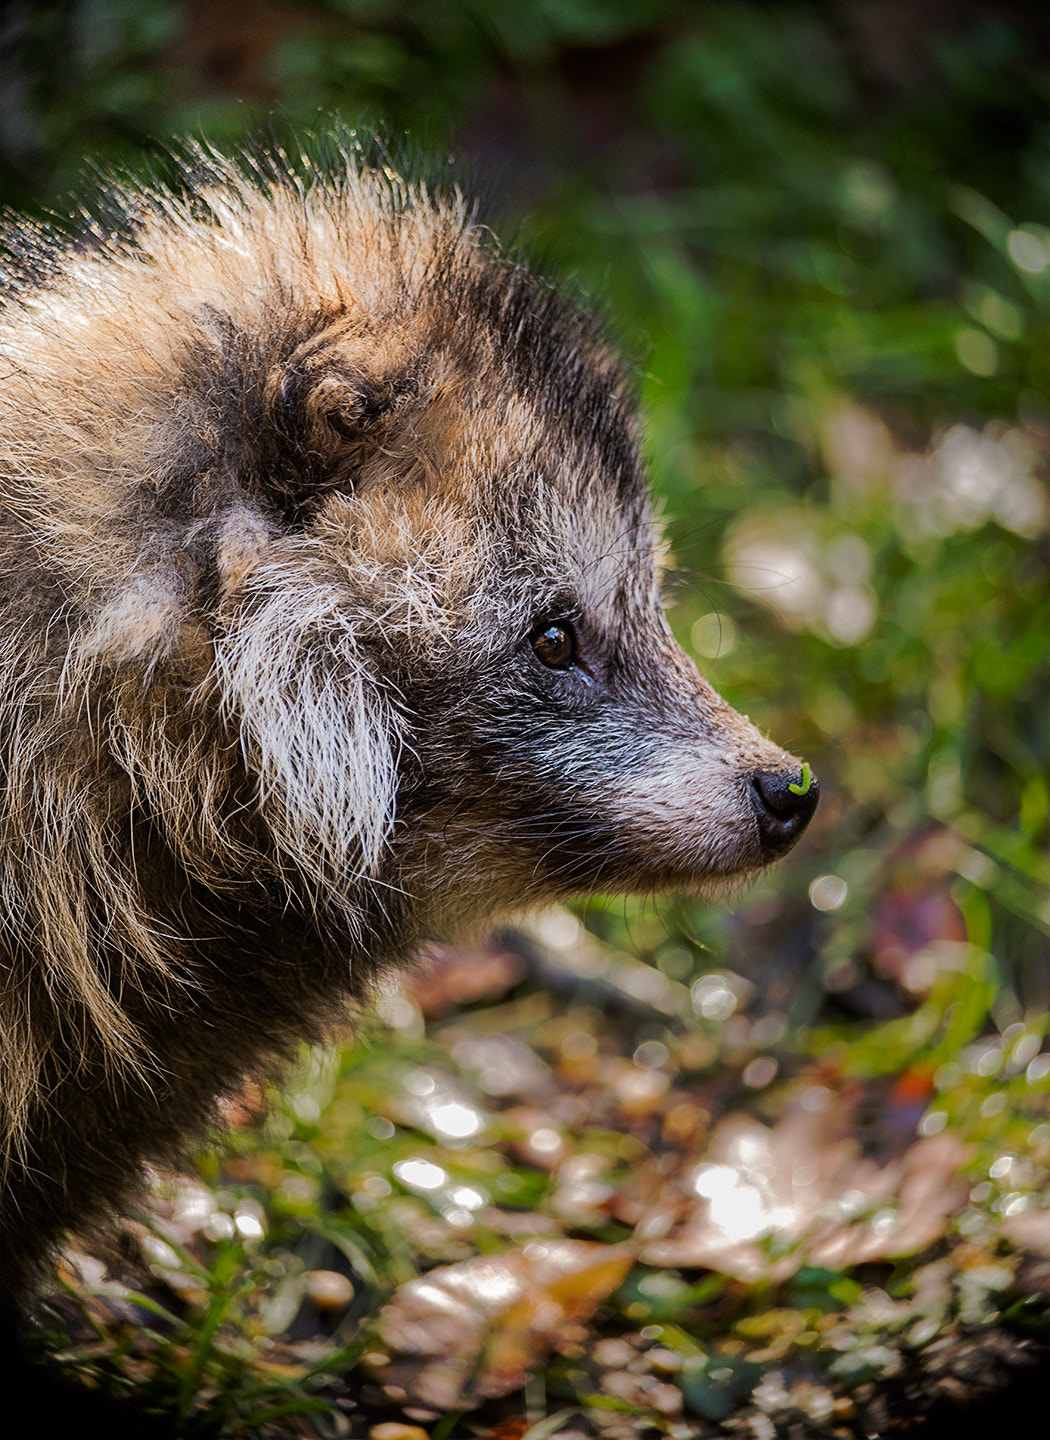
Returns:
<point x="822" y="233"/>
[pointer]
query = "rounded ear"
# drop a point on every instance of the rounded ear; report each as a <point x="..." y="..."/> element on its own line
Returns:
<point x="295" y="418"/>
<point x="324" y="419"/>
<point x="355" y="407"/>
<point x="346" y="401"/>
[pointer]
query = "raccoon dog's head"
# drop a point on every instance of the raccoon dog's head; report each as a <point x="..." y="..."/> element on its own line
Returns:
<point x="482" y="699"/>
<point x="397" y="510"/>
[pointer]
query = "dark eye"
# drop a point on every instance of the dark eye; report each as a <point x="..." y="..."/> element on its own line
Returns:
<point x="554" y="644"/>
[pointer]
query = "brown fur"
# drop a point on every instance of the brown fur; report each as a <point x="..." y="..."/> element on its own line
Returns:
<point x="291" y="468"/>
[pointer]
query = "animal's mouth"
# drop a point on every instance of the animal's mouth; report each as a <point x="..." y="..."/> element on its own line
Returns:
<point x="740" y="830"/>
<point x="664" y="830"/>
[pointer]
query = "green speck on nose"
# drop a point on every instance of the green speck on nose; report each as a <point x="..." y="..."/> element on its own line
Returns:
<point x="807" y="781"/>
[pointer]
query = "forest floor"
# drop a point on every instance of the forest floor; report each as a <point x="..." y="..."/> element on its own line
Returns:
<point x="556" y="1193"/>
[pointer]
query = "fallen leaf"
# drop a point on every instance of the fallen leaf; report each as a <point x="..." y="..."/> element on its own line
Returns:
<point x="638" y="1091"/>
<point x="535" y="1136"/>
<point x="582" y="1193"/>
<point x="329" y="1289"/>
<point x="468" y="1332"/>
<point x="1030" y="1230"/>
<point x="448" y="977"/>
<point x="394" y="1430"/>
<point x="771" y="1199"/>
<point x="916" y="911"/>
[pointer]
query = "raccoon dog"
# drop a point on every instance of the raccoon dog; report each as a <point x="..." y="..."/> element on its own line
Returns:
<point x="329" y="624"/>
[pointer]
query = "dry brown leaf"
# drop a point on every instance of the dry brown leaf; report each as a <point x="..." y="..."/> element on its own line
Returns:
<point x="535" y="1136"/>
<point x="1029" y="1230"/>
<point x="449" y="976"/>
<point x="803" y="1189"/>
<point x="582" y="1190"/>
<point x="466" y="1333"/>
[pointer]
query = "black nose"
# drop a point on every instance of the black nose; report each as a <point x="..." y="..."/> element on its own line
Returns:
<point x="784" y="802"/>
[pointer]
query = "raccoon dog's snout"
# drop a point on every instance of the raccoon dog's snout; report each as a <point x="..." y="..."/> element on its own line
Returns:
<point x="331" y="626"/>
<point x="784" y="802"/>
